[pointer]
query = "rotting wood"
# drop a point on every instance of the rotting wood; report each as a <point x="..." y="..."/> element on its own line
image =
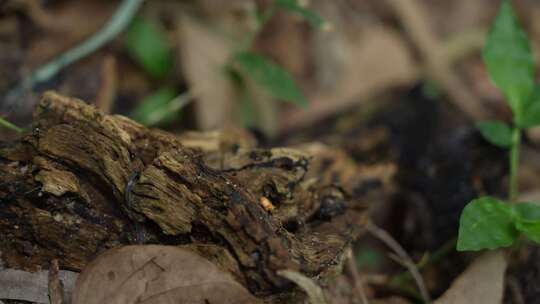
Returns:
<point x="63" y="196"/>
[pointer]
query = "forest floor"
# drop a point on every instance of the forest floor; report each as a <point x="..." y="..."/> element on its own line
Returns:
<point x="355" y="198"/>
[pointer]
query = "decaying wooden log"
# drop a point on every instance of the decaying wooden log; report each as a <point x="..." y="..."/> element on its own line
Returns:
<point x="81" y="182"/>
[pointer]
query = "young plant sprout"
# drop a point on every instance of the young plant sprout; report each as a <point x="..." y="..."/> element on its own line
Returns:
<point x="148" y="46"/>
<point x="488" y="222"/>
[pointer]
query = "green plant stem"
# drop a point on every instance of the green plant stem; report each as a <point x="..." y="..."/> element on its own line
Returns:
<point x="175" y="105"/>
<point x="118" y="22"/>
<point x="514" y="165"/>
<point x="447" y="248"/>
<point x="115" y="26"/>
<point x="6" y="124"/>
<point x="406" y="260"/>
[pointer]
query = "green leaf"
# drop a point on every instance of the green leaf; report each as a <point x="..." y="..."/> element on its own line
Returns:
<point x="527" y="213"/>
<point x="273" y="78"/>
<point x="527" y="220"/>
<point x="157" y="109"/>
<point x="486" y="223"/>
<point x="148" y="45"/>
<point x="531" y="231"/>
<point x="296" y="8"/>
<point x="496" y="132"/>
<point x="531" y="113"/>
<point x="509" y="60"/>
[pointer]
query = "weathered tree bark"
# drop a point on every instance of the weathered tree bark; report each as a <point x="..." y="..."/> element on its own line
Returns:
<point x="81" y="182"/>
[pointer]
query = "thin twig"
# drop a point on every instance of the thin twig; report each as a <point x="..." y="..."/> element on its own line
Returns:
<point x="118" y="22"/>
<point x="450" y="50"/>
<point x="463" y="44"/>
<point x="413" y="17"/>
<point x="407" y="261"/>
<point x="448" y="247"/>
<point x="358" y="283"/>
<point x="314" y="291"/>
<point x="56" y="288"/>
<point x="109" y="83"/>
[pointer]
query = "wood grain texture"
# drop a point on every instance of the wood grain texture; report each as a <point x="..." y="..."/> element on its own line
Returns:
<point x="63" y="196"/>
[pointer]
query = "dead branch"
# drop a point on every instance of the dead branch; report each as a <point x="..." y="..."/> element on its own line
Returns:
<point x="82" y="182"/>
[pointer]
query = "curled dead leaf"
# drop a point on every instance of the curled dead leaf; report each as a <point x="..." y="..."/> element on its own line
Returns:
<point x="482" y="282"/>
<point x="204" y="55"/>
<point x="156" y="275"/>
<point x="311" y="288"/>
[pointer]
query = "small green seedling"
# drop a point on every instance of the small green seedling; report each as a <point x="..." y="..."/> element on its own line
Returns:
<point x="245" y="65"/>
<point x="271" y="77"/>
<point x="148" y="46"/>
<point x="488" y="222"/>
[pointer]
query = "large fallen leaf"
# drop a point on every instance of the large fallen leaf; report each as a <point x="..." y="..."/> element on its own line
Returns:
<point x="342" y="59"/>
<point x="204" y="54"/>
<point x="155" y="275"/>
<point x="31" y="286"/>
<point x="481" y="283"/>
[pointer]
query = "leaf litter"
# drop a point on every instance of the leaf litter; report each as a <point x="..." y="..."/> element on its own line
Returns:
<point x="156" y="274"/>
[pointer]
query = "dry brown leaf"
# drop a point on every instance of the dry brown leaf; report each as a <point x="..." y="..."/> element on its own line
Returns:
<point x="481" y="283"/>
<point x="311" y="288"/>
<point x="204" y="53"/>
<point x="265" y="108"/>
<point x="363" y="63"/>
<point x="109" y="85"/>
<point x="154" y="275"/>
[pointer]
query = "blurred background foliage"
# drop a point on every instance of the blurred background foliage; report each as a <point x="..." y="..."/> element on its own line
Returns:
<point x="269" y="65"/>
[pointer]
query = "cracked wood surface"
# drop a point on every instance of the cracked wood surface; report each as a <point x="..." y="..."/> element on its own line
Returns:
<point x="63" y="196"/>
